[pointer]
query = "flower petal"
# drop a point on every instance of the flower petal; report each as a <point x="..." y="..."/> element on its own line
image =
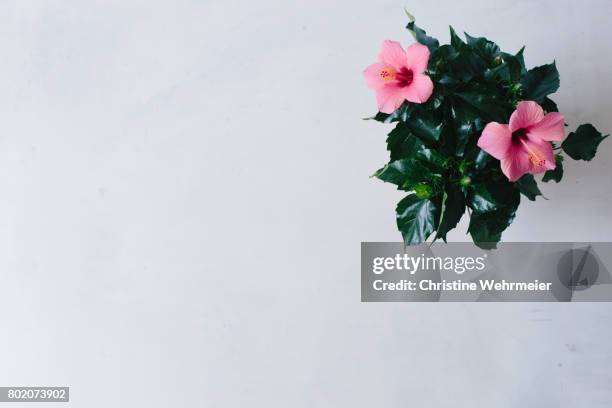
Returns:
<point x="372" y="75"/>
<point x="496" y="139"/>
<point x="389" y="98"/>
<point x="392" y="54"/>
<point x="417" y="58"/>
<point x="550" y="128"/>
<point x="527" y="113"/>
<point x="419" y="90"/>
<point x="541" y="155"/>
<point x="515" y="164"/>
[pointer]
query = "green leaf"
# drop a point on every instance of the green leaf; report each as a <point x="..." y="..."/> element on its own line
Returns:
<point x="492" y="212"/>
<point x="421" y="36"/>
<point x="404" y="145"/>
<point x="528" y="187"/>
<point x="432" y="157"/>
<point x="401" y="114"/>
<point x="521" y="59"/>
<point x="540" y="82"/>
<point x="407" y="173"/>
<point x="485" y="48"/>
<point x="456" y="41"/>
<point x="486" y="228"/>
<point x="501" y="72"/>
<point x="549" y="105"/>
<point x="482" y="159"/>
<point x="557" y="173"/>
<point x="481" y="199"/>
<point x="454" y="66"/>
<point x="487" y="102"/>
<point x="582" y="144"/>
<point x="425" y="126"/>
<point x="401" y="143"/>
<point x="493" y="196"/>
<point x="467" y="126"/>
<point x="417" y="218"/>
<point x="453" y="207"/>
<point x="515" y="64"/>
<point x="401" y="171"/>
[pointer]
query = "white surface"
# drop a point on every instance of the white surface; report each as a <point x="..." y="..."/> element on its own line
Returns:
<point x="185" y="185"/>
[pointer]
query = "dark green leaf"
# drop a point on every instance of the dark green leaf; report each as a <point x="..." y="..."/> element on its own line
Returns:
<point x="417" y="218"/>
<point x="440" y="60"/>
<point x="401" y="114"/>
<point x="421" y="36"/>
<point x="493" y="196"/>
<point x="540" y="82"/>
<point x="549" y="105"/>
<point x="432" y="157"/>
<point x="521" y="59"/>
<point x="486" y="228"/>
<point x="501" y="72"/>
<point x="402" y="171"/>
<point x="465" y="64"/>
<point x="557" y="174"/>
<point x="482" y="159"/>
<point x="481" y="199"/>
<point x="401" y="143"/>
<point x="407" y="173"/>
<point x="493" y="213"/>
<point x="582" y="144"/>
<point x="453" y="207"/>
<point x="485" y="48"/>
<point x="467" y="126"/>
<point x="515" y="64"/>
<point x="487" y="102"/>
<point x="528" y="187"/>
<point x="456" y="41"/>
<point x="404" y="145"/>
<point x="425" y="126"/>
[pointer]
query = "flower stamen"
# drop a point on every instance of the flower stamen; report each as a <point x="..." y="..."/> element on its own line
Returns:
<point x="388" y="74"/>
<point x="534" y="157"/>
<point x="404" y="77"/>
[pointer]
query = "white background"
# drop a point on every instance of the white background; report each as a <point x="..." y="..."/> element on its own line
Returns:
<point x="184" y="188"/>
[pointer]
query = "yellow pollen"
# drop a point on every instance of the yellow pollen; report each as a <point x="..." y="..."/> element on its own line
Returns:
<point x="536" y="160"/>
<point x="534" y="157"/>
<point x="388" y="74"/>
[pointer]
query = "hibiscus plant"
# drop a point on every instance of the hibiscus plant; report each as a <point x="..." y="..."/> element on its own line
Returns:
<point x="472" y="128"/>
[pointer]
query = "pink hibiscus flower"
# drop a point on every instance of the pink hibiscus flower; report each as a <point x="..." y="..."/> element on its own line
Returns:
<point x="399" y="76"/>
<point x="523" y="145"/>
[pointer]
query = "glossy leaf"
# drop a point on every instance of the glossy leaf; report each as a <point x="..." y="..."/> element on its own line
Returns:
<point x="417" y="218"/>
<point x="453" y="207"/>
<point x="485" y="48"/>
<point x="528" y="187"/>
<point x="492" y="196"/>
<point x="456" y="41"/>
<point x="467" y="126"/>
<point x="486" y="228"/>
<point x="557" y="174"/>
<point x="421" y="36"/>
<point x="486" y="102"/>
<point x="540" y="82"/>
<point x="401" y="114"/>
<point x="549" y="105"/>
<point x="582" y="144"/>
<point x="407" y="173"/>
<point x="401" y="143"/>
<point x="426" y="126"/>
